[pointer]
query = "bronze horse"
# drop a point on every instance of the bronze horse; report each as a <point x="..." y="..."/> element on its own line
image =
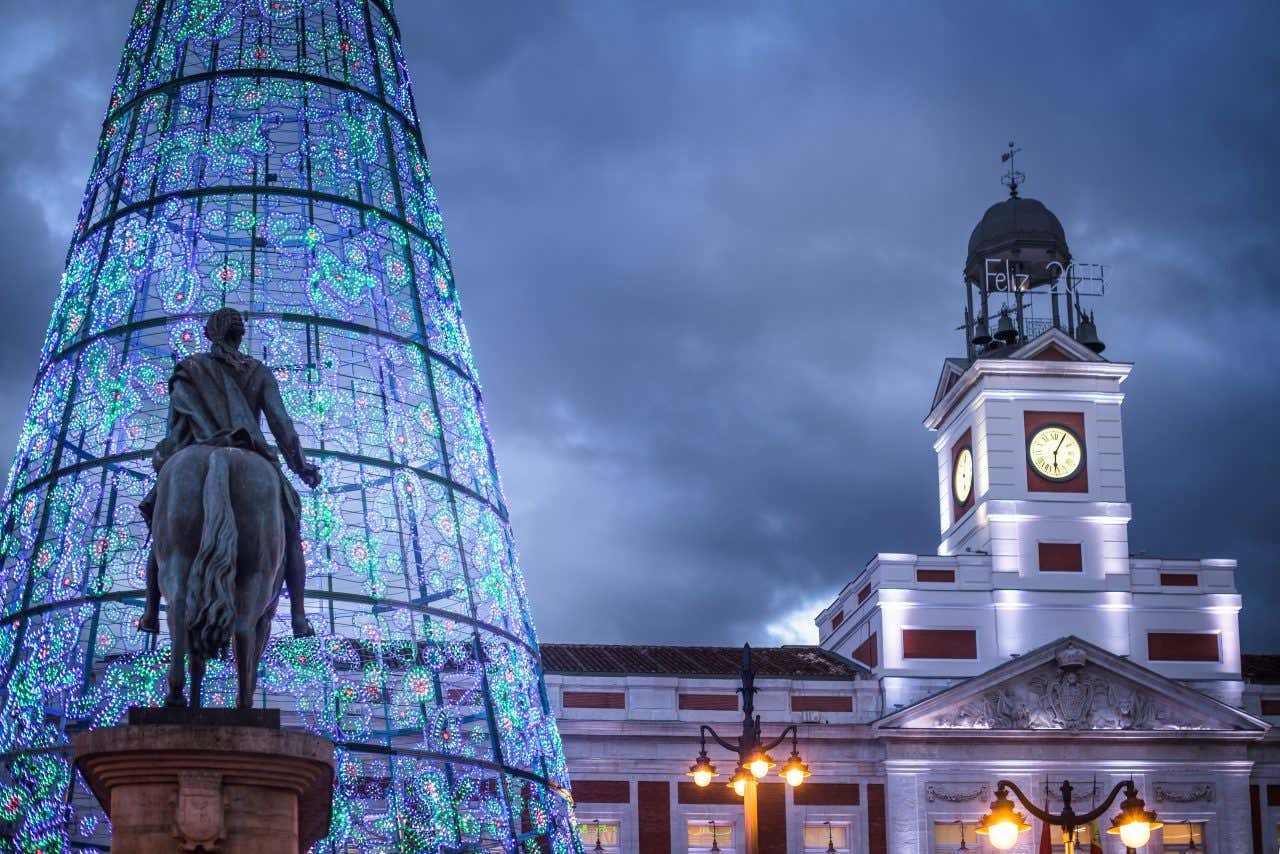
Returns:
<point x="219" y="543"/>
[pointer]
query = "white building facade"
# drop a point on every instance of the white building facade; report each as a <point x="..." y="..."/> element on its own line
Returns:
<point x="1032" y="647"/>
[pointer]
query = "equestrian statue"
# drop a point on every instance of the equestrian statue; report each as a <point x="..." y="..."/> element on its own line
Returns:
<point x="224" y="519"/>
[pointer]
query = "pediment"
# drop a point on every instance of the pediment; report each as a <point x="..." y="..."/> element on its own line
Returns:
<point x="952" y="370"/>
<point x="1055" y="345"/>
<point x="1072" y="685"/>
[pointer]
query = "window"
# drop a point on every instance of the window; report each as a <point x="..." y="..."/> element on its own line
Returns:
<point x="604" y="831"/>
<point x="1179" y="836"/>
<point x="707" y="836"/>
<point x="822" y="837"/>
<point x="948" y="836"/>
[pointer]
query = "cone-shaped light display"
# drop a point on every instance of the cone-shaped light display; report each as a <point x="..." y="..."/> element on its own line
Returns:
<point x="266" y="155"/>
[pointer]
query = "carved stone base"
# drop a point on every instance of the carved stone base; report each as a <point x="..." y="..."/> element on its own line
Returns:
<point x="229" y="789"/>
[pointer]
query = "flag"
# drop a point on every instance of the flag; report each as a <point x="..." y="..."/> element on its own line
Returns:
<point x="1046" y="837"/>
<point x="1095" y="838"/>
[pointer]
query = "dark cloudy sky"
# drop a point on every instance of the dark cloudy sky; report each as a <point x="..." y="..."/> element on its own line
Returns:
<point x="709" y="256"/>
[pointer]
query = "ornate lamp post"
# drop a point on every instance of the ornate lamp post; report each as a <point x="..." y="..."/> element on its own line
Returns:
<point x="754" y="760"/>
<point x="1002" y="824"/>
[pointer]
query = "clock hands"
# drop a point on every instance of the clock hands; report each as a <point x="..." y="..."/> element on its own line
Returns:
<point x="1055" y="459"/>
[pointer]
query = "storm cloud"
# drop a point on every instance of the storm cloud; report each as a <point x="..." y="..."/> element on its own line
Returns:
<point x="709" y="257"/>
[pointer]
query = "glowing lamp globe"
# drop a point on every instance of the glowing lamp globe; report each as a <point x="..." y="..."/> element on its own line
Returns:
<point x="1134" y="823"/>
<point x="1135" y="834"/>
<point x="1002" y="824"/>
<point x="740" y="779"/>
<point x="1003" y="835"/>
<point x="702" y="771"/>
<point x="760" y="764"/>
<point x="795" y="770"/>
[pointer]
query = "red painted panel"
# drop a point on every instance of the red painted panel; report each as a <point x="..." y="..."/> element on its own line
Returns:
<point x="936" y="575"/>
<point x="940" y="643"/>
<point x="826" y="795"/>
<point x="1061" y="557"/>
<point x="595" y="700"/>
<point x="1052" y="354"/>
<point x="709" y="702"/>
<point x="864" y="593"/>
<point x="837" y="620"/>
<point x="654" y="808"/>
<point x="716" y="793"/>
<point x="877" y="828"/>
<point x="1182" y="646"/>
<point x="1179" y="579"/>
<point x="821" y="704"/>
<point x="868" y="652"/>
<point x="1255" y="807"/>
<point x="771" y="807"/>
<point x="1033" y="421"/>
<point x="602" y="791"/>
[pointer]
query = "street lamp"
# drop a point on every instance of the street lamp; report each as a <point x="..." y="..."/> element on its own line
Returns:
<point x="1191" y="831"/>
<point x="754" y="761"/>
<point x="1002" y="824"/>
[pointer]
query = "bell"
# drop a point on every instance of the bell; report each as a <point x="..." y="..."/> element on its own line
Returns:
<point x="981" y="333"/>
<point x="1004" y="329"/>
<point x="1087" y="334"/>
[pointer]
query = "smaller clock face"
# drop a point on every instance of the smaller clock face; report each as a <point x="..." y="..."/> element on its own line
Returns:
<point x="1055" y="452"/>
<point x="962" y="477"/>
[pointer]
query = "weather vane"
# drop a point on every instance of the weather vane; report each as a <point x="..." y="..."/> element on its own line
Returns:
<point x="1014" y="178"/>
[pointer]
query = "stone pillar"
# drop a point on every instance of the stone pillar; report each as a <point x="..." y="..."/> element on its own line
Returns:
<point x="213" y="780"/>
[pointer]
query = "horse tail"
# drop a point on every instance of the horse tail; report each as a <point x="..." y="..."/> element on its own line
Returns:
<point x="211" y="584"/>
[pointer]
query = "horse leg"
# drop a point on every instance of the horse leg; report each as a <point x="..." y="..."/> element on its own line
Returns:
<point x="246" y="646"/>
<point x="197" y="679"/>
<point x="176" y="615"/>
<point x="263" y="630"/>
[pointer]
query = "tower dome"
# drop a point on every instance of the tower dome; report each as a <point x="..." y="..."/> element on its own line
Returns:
<point x="1019" y="275"/>
<point x="1023" y="232"/>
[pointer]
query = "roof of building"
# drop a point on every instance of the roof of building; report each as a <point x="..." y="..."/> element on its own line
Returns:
<point x="1260" y="668"/>
<point x="1015" y="220"/>
<point x="793" y="662"/>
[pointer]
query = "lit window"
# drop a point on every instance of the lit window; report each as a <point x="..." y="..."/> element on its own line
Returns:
<point x="949" y="836"/>
<point x="708" y="836"/>
<point x="1179" y="836"/>
<point x="823" y="837"/>
<point x="599" y="836"/>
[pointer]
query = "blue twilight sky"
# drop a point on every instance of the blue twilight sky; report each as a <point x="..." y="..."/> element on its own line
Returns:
<point x="710" y="257"/>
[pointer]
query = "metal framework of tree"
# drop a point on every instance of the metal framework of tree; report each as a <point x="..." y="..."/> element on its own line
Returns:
<point x="266" y="154"/>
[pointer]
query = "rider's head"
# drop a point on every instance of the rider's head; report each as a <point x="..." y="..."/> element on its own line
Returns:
<point x="226" y="326"/>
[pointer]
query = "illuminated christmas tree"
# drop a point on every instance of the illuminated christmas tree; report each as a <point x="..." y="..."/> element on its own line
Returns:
<point x="266" y="154"/>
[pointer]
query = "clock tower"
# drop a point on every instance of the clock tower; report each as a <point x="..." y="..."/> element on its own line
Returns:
<point x="1028" y="432"/>
<point x="1032" y="503"/>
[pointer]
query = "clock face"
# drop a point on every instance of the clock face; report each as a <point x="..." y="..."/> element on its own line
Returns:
<point x="962" y="477"/>
<point x="1055" y="452"/>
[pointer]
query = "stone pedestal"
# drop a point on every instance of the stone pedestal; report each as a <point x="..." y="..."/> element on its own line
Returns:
<point x="214" y="780"/>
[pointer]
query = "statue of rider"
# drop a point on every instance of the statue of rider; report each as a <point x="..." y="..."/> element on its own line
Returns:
<point x="218" y="398"/>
